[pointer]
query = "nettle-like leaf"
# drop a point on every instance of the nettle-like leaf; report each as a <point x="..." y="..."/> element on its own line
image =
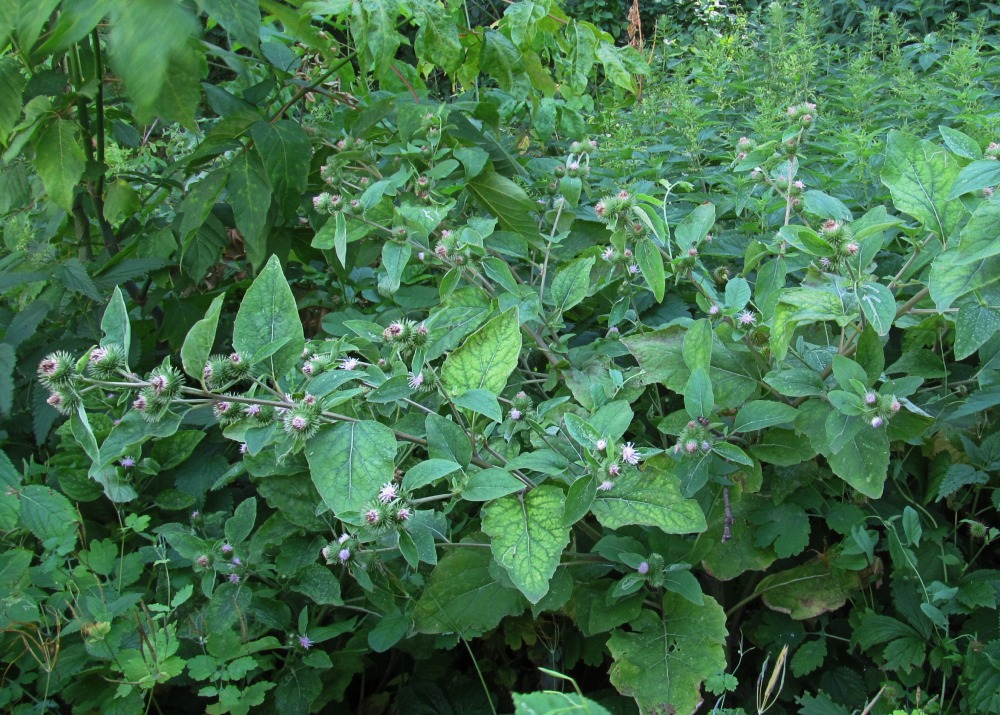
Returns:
<point x="663" y="661"/>
<point x="528" y="537"/>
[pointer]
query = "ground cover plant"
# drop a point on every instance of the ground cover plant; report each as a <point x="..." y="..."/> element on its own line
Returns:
<point x="396" y="358"/>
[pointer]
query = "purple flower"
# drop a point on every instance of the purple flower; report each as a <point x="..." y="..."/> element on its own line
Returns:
<point x="614" y="469"/>
<point x="299" y="423"/>
<point x="349" y="363"/>
<point x="127" y="462"/>
<point x="344" y="555"/>
<point x="305" y="642"/>
<point x="714" y="310"/>
<point x="388" y="492"/>
<point x="747" y="318"/>
<point x="515" y="414"/>
<point x="227" y="548"/>
<point x="870" y="398"/>
<point x="877" y="422"/>
<point x="234" y="578"/>
<point x="629" y="453"/>
<point x="237" y="561"/>
<point x="403" y="514"/>
<point x="416" y="380"/>
<point x="642" y="568"/>
<point x="606" y="486"/>
<point x="601" y="445"/>
<point x="343" y="538"/>
<point x="373" y="517"/>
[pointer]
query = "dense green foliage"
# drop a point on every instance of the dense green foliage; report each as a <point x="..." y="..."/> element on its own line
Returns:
<point x="395" y="357"/>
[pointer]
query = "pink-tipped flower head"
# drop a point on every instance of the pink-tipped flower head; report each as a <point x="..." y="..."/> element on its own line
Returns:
<point x="642" y="568"/>
<point x="515" y="414"/>
<point x="714" y="310"/>
<point x="852" y="248"/>
<point x="870" y="398"/>
<point x="305" y="642"/>
<point x="691" y="446"/>
<point x="895" y="406"/>
<point x="403" y="514"/>
<point x="373" y="517"/>
<point x="608" y="254"/>
<point x="252" y="410"/>
<point x="747" y="318"/>
<point x="614" y="469"/>
<point x="623" y="195"/>
<point x="416" y="380"/>
<point x="630" y="454"/>
<point x="606" y="486"/>
<point x="127" y="462"/>
<point x="693" y="252"/>
<point x="234" y="578"/>
<point x="388" y="492"/>
<point x="602" y="445"/>
<point x="877" y="422"/>
<point x="344" y="555"/>
<point x="140" y="404"/>
<point x="601" y="209"/>
<point x="299" y="423"/>
<point x="226" y="548"/>
<point x="349" y="363"/>
<point x="799" y="184"/>
<point x="633" y="269"/>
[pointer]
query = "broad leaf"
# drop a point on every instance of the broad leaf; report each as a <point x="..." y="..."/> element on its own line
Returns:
<point x="505" y="200"/>
<point x="463" y="597"/>
<point x="664" y="660"/>
<point x="268" y="314"/>
<point x="920" y="175"/>
<point x="650" y="498"/>
<point x="60" y="161"/>
<point x="350" y="461"/>
<point x="487" y="357"/>
<point x="197" y="347"/>
<point x="528" y="537"/>
<point x="250" y="195"/>
<point x="284" y="149"/>
<point x="808" y="590"/>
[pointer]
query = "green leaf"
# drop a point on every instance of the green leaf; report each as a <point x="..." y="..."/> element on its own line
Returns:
<point x="487" y="357"/>
<point x="350" y="461"/>
<point x="650" y="261"/>
<point x="505" y="200"/>
<point x="796" y="382"/>
<point x="333" y="234"/>
<point x="825" y="206"/>
<point x="960" y="143"/>
<point x="976" y="177"/>
<point x="863" y="462"/>
<point x="649" y="498"/>
<point x="920" y="175"/>
<point x="241" y="18"/>
<point x="379" y="34"/>
<point x="390" y="629"/>
<point x="878" y="305"/>
<point x="319" y="584"/>
<point x="501" y="60"/>
<point x="60" y="161"/>
<point x="958" y="476"/>
<point x="808" y="657"/>
<point x="11" y="86"/>
<point x="528" y="537"/>
<point x="974" y="325"/>
<point x="977" y="238"/>
<point x="614" y="66"/>
<point x="49" y="516"/>
<point x="697" y="349"/>
<point x="395" y="256"/>
<point x="732" y="453"/>
<point x="199" y="201"/>
<point x="115" y="324"/>
<point x="571" y="284"/>
<point x="582" y="431"/>
<point x="8" y="362"/>
<point x="808" y="590"/>
<point x="666" y="660"/>
<point x="428" y="472"/>
<point x="549" y="703"/>
<point x="491" y="484"/>
<point x="446" y="440"/>
<point x="737" y="293"/>
<point x="699" y="399"/>
<point x="149" y="46"/>
<point x="483" y="402"/>
<point x="240" y="524"/>
<point x="197" y="347"/>
<point x="284" y="149"/>
<point x="782" y="447"/>
<point x="249" y="193"/>
<point x="695" y="226"/>
<point x="10" y="485"/>
<point x="267" y="314"/>
<point x="759" y="414"/>
<point x="437" y="40"/>
<point x="463" y="597"/>
<point x="786" y="526"/>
